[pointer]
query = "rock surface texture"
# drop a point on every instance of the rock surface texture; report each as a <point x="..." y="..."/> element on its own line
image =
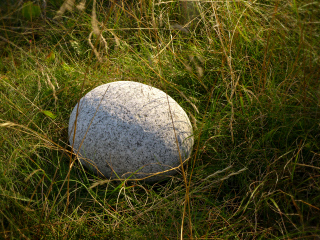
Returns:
<point x="124" y="129"/>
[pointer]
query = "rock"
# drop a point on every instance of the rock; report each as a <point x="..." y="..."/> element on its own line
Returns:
<point x="124" y="129"/>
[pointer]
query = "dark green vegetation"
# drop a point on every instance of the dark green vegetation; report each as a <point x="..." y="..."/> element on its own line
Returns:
<point x="247" y="73"/>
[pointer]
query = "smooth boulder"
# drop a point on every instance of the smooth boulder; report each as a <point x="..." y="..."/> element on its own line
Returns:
<point x="129" y="130"/>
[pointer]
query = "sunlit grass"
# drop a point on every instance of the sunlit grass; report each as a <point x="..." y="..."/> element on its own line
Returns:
<point x="247" y="74"/>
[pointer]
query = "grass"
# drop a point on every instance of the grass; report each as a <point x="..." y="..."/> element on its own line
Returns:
<point x="246" y="72"/>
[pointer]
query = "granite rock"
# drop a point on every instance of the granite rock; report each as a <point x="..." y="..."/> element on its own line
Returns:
<point x="124" y="130"/>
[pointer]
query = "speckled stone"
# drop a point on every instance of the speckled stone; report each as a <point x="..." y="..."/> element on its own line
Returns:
<point x="125" y="130"/>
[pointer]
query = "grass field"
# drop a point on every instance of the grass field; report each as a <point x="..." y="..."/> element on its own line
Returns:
<point x="247" y="73"/>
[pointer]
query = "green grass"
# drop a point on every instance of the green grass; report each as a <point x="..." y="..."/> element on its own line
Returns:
<point x="246" y="72"/>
